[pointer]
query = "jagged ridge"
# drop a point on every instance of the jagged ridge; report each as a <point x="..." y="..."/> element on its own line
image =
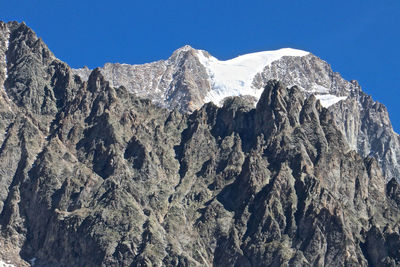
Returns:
<point x="193" y="77"/>
<point x="93" y="175"/>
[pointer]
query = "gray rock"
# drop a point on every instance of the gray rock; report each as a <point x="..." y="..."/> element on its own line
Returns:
<point x="364" y="122"/>
<point x="93" y="175"/>
<point x="182" y="82"/>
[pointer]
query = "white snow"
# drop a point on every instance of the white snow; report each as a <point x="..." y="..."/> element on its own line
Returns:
<point x="316" y="88"/>
<point x="3" y="264"/>
<point x="5" y="56"/>
<point x="234" y="77"/>
<point x="5" y="64"/>
<point x="328" y="100"/>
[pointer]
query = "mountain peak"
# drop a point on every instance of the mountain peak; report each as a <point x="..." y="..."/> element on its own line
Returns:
<point x="235" y="76"/>
<point x="107" y="178"/>
<point x="192" y="77"/>
<point x="184" y="48"/>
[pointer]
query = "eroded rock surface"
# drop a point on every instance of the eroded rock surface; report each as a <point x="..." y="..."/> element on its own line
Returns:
<point x="93" y="175"/>
<point x="187" y="80"/>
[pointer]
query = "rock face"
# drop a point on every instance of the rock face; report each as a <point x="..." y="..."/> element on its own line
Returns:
<point x="179" y="82"/>
<point x="364" y="122"/>
<point x="93" y="175"/>
<point x="193" y="77"/>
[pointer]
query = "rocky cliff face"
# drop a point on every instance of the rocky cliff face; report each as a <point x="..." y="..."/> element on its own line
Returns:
<point x="92" y="174"/>
<point x="179" y="82"/>
<point x="364" y="122"/>
<point x="193" y="77"/>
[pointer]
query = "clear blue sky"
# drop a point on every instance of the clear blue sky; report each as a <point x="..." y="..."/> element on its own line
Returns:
<point x="360" y="39"/>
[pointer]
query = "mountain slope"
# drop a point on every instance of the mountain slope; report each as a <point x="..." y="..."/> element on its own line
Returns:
<point x="92" y="175"/>
<point x="193" y="77"/>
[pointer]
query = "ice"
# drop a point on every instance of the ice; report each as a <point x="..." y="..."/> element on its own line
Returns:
<point x="3" y="264"/>
<point x="328" y="100"/>
<point x="316" y="88"/>
<point x="235" y="76"/>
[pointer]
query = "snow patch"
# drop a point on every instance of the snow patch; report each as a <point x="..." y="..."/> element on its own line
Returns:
<point x="5" y="58"/>
<point x="3" y="264"/>
<point x="234" y="77"/>
<point x="82" y="72"/>
<point x="328" y="100"/>
<point x="5" y="55"/>
<point x="316" y="88"/>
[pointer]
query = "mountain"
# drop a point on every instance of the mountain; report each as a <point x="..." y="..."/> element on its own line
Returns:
<point x="190" y="78"/>
<point x="93" y="173"/>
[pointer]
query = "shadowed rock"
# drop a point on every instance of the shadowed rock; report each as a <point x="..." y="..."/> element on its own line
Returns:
<point x="92" y="175"/>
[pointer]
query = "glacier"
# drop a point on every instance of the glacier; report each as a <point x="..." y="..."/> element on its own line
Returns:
<point x="234" y="77"/>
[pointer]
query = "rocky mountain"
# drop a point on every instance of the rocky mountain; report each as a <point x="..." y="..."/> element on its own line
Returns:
<point x="94" y="174"/>
<point x="190" y="78"/>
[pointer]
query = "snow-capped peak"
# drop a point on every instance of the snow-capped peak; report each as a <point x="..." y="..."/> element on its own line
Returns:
<point x="234" y="77"/>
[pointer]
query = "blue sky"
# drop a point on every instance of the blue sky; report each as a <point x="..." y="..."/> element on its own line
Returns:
<point x="360" y="39"/>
